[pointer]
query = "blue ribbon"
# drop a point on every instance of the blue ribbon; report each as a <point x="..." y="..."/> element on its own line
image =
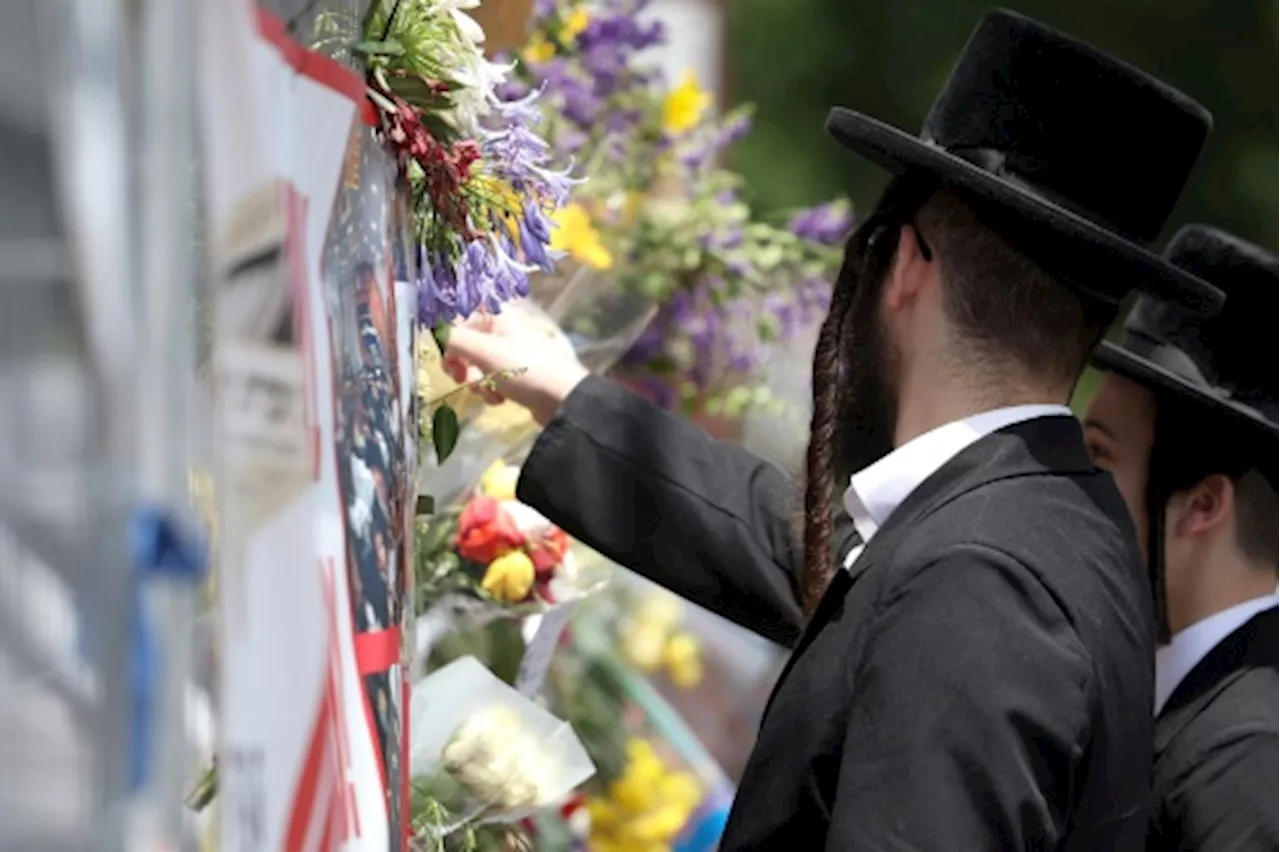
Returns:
<point x="160" y="547"/>
<point x="705" y="828"/>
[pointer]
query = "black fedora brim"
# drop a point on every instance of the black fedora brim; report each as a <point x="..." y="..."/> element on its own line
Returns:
<point x="898" y="152"/>
<point x="1116" y="359"/>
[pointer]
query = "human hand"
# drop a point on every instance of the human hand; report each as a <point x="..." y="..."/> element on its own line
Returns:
<point x="536" y="369"/>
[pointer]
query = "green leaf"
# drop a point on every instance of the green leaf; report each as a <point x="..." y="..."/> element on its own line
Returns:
<point x="444" y="432"/>
<point x="389" y="47"/>
<point x="441" y="334"/>
<point x="426" y="505"/>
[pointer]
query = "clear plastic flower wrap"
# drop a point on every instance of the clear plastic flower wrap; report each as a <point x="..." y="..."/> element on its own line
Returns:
<point x="602" y="317"/>
<point x="591" y="316"/>
<point x="486" y="753"/>
<point x="487" y="433"/>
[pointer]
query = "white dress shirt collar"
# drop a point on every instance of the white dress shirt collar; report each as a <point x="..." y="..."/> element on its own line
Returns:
<point x="1192" y="644"/>
<point x="876" y="491"/>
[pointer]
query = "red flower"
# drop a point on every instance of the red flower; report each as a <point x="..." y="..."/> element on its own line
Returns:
<point x="547" y="553"/>
<point x="485" y="532"/>
<point x="445" y="169"/>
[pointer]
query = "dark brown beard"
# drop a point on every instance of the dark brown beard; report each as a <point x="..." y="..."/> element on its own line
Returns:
<point x="866" y="395"/>
<point x="854" y="400"/>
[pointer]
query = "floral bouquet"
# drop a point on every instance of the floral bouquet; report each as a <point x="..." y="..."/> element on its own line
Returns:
<point x="661" y="226"/>
<point x="482" y="752"/>
<point x="498" y="550"/>
<point x="656" y="786"/>
<point x="483" y="433"/>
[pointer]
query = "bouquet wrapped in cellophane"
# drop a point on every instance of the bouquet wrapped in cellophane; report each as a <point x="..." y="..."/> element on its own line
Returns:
<point x="482" y="752"/>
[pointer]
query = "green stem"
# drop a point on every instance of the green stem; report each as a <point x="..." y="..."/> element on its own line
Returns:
<point x="496" y="374"/>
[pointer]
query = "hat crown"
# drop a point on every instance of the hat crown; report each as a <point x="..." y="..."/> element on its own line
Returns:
<point x="1080" y="128"/>
<point x="1223" y="352"/>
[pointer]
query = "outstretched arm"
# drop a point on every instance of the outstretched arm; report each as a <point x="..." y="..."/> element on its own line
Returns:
<point x="653" y="492"/>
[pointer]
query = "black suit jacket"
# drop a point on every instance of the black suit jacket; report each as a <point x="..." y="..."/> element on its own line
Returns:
<point x="1214" y="780"/>
<point x="981" y="680"/>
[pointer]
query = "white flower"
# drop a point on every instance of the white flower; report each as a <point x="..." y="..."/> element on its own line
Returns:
<point x="499" y="762"/>
<point x="527" y="520"/>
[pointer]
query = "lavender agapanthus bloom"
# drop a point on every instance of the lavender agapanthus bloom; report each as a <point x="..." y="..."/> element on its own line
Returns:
<point x="437" y="290"/>
<point x="535" y="237"/>
<point x="511" y="276"/>
<point x="476" y="284"/>
<point x="827" y="224"/>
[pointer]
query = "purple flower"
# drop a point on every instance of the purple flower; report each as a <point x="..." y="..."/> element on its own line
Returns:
<point x="568" y="142"/>
<point x="476" y="280"/>
<point x="511" y="276"/>
<point x="622" y="30"/>
<point x="511" y="89"/>
<point x="622" y="121"/>
<point x="535" y="236"/>
<point x="827" y="224"/>
<point x="578" y="100"/>
<point x="437" y="291"/>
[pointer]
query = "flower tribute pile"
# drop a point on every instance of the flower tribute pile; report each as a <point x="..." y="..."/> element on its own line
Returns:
<point x="478" y="172"/>
<point x="660" y="212"/>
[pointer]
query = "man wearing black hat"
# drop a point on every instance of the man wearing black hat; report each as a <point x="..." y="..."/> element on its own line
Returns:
<point x="975" y="671"/>
<point x="1185" y="419"/>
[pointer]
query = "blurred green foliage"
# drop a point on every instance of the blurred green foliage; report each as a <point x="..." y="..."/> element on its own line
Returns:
<point x="888" y="58"/>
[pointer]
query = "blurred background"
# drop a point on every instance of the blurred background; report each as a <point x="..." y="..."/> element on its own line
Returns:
<point x="796" y="58"/>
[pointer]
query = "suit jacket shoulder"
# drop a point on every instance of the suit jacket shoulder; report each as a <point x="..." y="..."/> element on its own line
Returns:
<point x="1214" y="779"/>
<point x="981" y="676"/>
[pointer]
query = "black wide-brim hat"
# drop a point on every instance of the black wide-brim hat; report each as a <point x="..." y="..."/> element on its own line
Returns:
<point x="1225" y="364"/>
<point x="1080" y="154"/>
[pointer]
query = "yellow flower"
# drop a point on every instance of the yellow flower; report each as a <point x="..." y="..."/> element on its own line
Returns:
<point x="575" y="24"/>
<point x="683" y="660"/>
<point x="509" y="577"/>
<point x="643" y="644"/>
<point x="659" y="824"/>
<point x="499" y="481"/>
<point x="661" y="610"/>
<point x="538" y="50"/>
<point x="681" y="788"/>
<point x="684" y="105"/>
<point x="575" y="234"/>
<point x="646" y="807"/>
<point x="603" y="814"/>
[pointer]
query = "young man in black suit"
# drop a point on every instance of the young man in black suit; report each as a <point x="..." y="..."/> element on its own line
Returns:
<point x="1185" y="419"/>
<point x="975" y="668"/>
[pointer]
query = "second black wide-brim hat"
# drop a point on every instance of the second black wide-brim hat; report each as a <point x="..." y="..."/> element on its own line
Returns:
<point x="1083" y="153"/>
<point x="1215" y="364"/>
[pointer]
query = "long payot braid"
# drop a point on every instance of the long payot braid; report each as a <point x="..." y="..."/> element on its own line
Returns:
<point x="822" y="431"/>
<point x="868" y="254"/>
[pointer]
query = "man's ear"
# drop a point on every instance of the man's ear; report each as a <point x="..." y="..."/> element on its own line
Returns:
<point x="1205" y="507"/>
<point x="913" y="264"/>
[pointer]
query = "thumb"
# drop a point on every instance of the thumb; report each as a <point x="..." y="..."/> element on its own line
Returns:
<point x="482" y="349"/>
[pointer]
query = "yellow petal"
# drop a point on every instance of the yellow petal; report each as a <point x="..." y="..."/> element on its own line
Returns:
<point x="575" y="23"/>
<point x="509" y="577"/>
<point x="684" y="105"/>
<point x="499" y="481"/>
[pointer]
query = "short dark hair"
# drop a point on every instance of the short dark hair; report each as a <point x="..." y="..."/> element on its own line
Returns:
<point x="1194" y="442"/>
<point x="1008" y="309"/>
<point x="1257" y="509"/>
